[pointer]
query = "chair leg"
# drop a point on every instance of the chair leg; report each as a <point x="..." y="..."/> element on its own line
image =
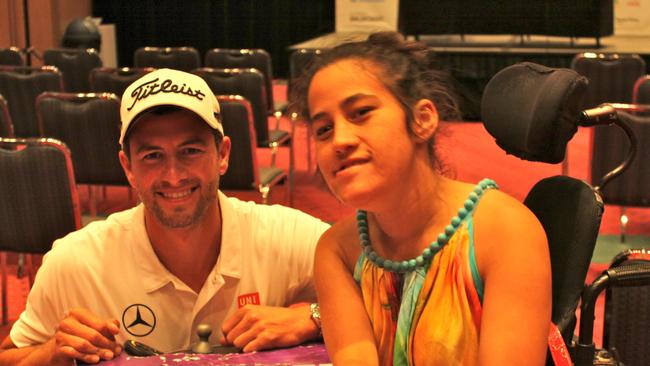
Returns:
<point x="565" y="163"/>
<point x="5" y="310"/>
<point x="278" y="116"/>
<point x="294" y="120"/>
<point x="265" y="191"/>
<point x="624" y="220"/>
<point x="92" y="200"/>
<point x="20" y="270"/>
<point x="274" y="151"/>
<point x="292" y="164"/>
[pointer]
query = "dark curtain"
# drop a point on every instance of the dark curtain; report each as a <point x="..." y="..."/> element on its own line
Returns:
<point x="272" y="25"/>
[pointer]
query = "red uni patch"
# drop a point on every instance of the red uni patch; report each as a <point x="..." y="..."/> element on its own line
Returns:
<point x="245" y="299"/>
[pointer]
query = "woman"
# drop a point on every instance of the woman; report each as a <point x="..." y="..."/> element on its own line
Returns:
<point x="432" y="270"/>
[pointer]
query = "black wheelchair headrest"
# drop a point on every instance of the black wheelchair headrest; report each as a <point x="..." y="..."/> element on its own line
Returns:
<point x="532" y="110"/>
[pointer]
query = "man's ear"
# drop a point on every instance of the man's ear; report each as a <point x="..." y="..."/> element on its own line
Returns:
<point x="126" y="165"/>
<point x="425" y="119"/>
<point x="224" y="155"/>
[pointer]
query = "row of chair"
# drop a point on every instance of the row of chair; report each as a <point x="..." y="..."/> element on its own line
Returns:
<point x="77" y="65"/>
<point x="79" y="62"/>
<point x="617" y="78"/>
<point x="24" y="84"/>
<point x="89" y="125"/>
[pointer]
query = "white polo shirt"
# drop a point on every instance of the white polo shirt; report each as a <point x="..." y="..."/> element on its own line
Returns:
<point x="110" y="268"/>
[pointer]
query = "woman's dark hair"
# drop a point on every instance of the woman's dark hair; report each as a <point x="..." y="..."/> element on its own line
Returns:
<point x="407" y="69"/>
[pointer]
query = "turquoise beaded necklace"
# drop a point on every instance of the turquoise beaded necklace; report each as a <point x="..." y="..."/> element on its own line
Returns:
<point x="410" y="265"/>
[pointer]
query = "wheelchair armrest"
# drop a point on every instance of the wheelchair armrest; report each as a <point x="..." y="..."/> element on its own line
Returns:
<point x="633" y="274"/>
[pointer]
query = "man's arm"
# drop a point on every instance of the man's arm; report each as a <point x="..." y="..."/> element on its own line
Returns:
<point x="80" y="335"/>
<point x="256" y="327"/>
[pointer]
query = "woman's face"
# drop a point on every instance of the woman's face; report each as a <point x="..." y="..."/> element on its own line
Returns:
<point x="363" y="148"/>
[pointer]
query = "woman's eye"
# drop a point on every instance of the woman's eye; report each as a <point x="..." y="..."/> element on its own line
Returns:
<point x="321" y="132"/>
<point x="360" y="112"/>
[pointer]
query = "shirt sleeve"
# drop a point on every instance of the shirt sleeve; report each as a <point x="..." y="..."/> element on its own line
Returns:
<point x="301" y="233"/>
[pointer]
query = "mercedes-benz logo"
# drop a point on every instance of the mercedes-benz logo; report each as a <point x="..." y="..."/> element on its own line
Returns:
<point x="139" y="320"/>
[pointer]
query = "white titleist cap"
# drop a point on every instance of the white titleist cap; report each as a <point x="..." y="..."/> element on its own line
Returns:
<point x="169" y="87"/>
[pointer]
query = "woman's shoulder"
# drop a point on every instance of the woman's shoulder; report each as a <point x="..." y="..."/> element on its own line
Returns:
<point x="506" y="228"/>
<point x="342" y="239"/>
<point x="501" y="211"/>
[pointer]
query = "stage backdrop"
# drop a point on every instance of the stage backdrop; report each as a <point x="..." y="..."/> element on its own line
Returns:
<point x="273" y="25"/>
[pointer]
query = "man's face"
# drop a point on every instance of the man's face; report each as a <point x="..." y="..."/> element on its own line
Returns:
<point x="175" y="167"/>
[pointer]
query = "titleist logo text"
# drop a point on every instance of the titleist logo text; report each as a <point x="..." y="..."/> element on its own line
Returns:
<point x="153" y="87"/>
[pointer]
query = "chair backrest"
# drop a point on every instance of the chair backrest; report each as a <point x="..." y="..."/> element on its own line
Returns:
<point x="75" y="65"/>
<point x="611" y="76"/>
<point x="6" y="126"/>
<point x="39" y="198"/>
<point x="609" y="148"/>
<point x="299" y="62"/>
<point x="21" y="85"/>
<point x="570" y="211"/>
<point x="641" y="91"/>
<point x="89" y="124"/>
<point x="115" y="80"/>
<point x="179" y="58"/>
<point x="249" y="83"/>
<point x="237" y="119"/>
<point x="11" y="56"/>
<point x="229" y="58"/>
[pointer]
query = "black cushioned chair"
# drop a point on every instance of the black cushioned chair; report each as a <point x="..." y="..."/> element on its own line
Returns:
<point x="179" y="58"/>
<point x="533" y="111"/>
<point x="75" y="65"/>
<point x="611" y="76"/>
<point x="39" y="199"/>
<point x="89" y="124"/>
<point x="20" y="85"/>
<point x="249" y="83"/>
<point x="11" y="57"/>
<point x="115" y="80"/>
<point x="231" y="58"/>
<point x="6" y="127"/>
<point x="299" y="62"/>
<point x="621" y="142"/>
<point x="631" y="187"/>
<point x="611" y="80"/>
<point x="243" y="172"/>
<point x="626" y="326"/>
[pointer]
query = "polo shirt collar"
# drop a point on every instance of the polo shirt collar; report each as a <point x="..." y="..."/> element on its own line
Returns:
<point x="154" y="275"/>
<point x="230" y="256"/>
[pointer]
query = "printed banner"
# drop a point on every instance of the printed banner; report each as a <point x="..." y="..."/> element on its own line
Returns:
<point x="632" y="17"/>
<point x="366" y="15"/>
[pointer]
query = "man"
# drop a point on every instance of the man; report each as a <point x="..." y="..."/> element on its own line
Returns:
<point x="186" y="255"/>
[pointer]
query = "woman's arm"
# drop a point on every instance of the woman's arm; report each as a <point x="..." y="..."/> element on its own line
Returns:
<point x="513" y="260"/>
<point x="346" y="326"/>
